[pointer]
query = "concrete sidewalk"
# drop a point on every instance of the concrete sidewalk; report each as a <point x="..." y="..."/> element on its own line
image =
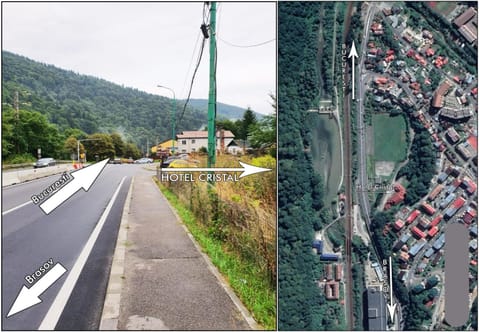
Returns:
<point x="160" y="280"/>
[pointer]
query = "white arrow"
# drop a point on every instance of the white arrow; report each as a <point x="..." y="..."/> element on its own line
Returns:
<point x="28" y="297"/>
<point x="353" y="54"/>
<point x="391" y="307"/>
<point x="83" y="178"/>
<point x="246" y="169"/>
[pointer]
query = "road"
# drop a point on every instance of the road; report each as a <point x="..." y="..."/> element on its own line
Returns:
<point x="30" y="238"/>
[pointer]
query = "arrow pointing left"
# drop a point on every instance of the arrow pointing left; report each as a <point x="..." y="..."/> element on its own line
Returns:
<point x="28" y="297"/>
<point x="82" y="179"/>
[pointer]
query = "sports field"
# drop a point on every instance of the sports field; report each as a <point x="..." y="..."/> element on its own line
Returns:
<point x="389" y="137"/>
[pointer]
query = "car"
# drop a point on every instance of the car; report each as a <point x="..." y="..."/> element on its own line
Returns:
<point x="167" y="161"/>
<point x="181" y="163"/>
<point x="44" y="162"/>
<point x="115" y="161"/>
<point x="143" y="161"/>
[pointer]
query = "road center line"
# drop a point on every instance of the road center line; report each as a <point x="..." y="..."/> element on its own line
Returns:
<point x="51" y="318"/>
<point x="16" y="208"/>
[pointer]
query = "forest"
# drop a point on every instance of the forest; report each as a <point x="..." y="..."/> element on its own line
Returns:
<point x="56" y="106"/>
<point x="299" y="192"/>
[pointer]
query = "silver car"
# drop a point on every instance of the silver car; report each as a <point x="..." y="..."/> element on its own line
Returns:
<point x="44" y="162"/>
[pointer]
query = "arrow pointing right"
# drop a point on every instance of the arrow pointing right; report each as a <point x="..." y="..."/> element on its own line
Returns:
<point x="391" y="307"/>
<point x="246" y="169"/>
<point x="82" y="178"/>
<point x="28" y="297"/>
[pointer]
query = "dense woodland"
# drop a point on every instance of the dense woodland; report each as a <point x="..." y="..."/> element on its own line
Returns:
<point x="56" y="107"/>
<point x="299" y="299"/>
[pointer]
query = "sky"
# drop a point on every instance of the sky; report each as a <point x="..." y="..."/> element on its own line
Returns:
<point x="143" y="45"/>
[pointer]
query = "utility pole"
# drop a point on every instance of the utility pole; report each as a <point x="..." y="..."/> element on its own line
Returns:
<point x="212" y="95"/>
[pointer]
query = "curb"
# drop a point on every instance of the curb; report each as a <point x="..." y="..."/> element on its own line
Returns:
<point x="222" y="281"/>
<point x="111" y="306"/>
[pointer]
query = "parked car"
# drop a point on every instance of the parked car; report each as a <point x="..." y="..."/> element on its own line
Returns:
<point x="115" y="161"/>
<point x="167" y="162"/>
<point x="143" y="161"/>
<point x="44" y="162"/>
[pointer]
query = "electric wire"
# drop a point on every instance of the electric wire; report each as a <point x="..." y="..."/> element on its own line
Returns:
<point x="246" y="46"/>
<point x="199" y="59"/>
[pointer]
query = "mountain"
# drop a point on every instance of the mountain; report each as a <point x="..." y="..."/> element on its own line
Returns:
<point x="72" y="100"/>
<point x="223" y="110"/>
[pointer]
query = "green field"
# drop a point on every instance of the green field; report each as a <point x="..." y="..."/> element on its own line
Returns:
<point x="443" y="7"/>
<point x="326" y="153"/>
<point x="390" y="139"/>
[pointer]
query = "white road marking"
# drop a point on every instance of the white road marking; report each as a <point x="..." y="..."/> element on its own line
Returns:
<point x="16" y="208"/>
<point x="51" y="318"/>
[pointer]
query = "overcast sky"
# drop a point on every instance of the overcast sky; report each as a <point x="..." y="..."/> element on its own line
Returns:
<point x="142" y="45"/>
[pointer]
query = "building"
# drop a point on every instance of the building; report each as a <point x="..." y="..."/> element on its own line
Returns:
<point x="434" y="193"/>
<point x="433" y="231"/>
<point x="318" y="244"/>
<point x="442" y="90"/>
<point x="164" y="146"/>
<point x="465" y="17"/>
<point x="447" y="200"/>
<point x="398" y="224"/>
<point x="377" y="313"/>
<point x="453" y="135"/>
<point x="452" y="209"/>
<point x="412" y="216"/>
<point x="428" y="208"/>
<point x="436" y="221"/>
<point x="193" y="141"/>
<point x="329" y="271"/>
<point x="469" y="186"/>
<point x="438" y="244"/>
<point x="328" y="257"/>
<point x="417" y="247"/>
<point x="417" y="232"/>
<point x="338" y="272"/>
<point x="332" y="290"/>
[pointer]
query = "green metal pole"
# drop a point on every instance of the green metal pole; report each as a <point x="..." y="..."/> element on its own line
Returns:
<point x="173" y="122"/>
<point x="212" y="95"/>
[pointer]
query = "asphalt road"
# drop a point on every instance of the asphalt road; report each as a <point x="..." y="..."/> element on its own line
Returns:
<point x="30" y="238"/>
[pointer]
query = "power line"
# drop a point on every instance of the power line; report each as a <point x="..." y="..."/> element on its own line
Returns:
<point x="246" y="46"/>
<point x="206" y="16"/>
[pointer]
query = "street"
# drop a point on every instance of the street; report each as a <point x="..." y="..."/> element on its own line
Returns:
<point x="30" y="238"/>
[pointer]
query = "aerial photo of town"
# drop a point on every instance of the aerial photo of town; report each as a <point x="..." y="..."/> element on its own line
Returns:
<point x="377" y="144"/>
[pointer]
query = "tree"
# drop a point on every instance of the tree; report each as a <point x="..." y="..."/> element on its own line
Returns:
<point x="118" y="144"/>
<point x="228" y="125"/>
<point x="101" y="145"/>
<point x="26" y="131"/>
<point x="248" y="120"/>
<point x="70" y="147"/>
<point x="132" y="151"/>
<point x="263" y="134"/>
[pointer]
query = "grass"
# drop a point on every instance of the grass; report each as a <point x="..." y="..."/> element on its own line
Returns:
<point x="245" y="278"/>
<point x="390" y="141"/>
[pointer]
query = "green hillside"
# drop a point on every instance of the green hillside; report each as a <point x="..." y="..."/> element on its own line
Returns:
<point x="71" y="100"/>
<point x="223" y="110"/>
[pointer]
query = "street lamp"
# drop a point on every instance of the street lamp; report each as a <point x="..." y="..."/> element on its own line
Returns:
<point x="173" y="115"/>
<point x="82" y="140"/>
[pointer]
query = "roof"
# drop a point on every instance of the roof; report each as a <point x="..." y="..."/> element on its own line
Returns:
<point x="377" y="315"/>
<point x="465" y="17"/>
<point x="203" y="134"/>
<point x="437" y="100"/>
<point x="413" y="216"/>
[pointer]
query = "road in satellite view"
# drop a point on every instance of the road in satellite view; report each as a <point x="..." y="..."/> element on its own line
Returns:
<point x="378" y="124"/>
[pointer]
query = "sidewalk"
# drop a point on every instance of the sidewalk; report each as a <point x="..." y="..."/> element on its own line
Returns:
<point x="159" y="278"/>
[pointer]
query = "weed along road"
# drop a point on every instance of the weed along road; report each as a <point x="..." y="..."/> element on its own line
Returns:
<point x="36" y="246"/>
